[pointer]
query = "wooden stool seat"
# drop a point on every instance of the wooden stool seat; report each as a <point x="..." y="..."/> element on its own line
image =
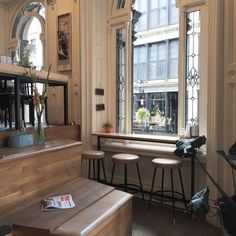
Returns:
<point x="125" y="158"/>
<point x="92" y="154"/>
<point x="167" y="163"/>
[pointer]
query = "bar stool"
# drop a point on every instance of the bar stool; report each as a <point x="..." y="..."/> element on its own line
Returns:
<point x="169" y="164"/>
<point x="94" y="155"/>
<point x="127" y="159"/>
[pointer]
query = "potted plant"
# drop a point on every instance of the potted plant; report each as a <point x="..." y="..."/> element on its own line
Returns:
<point x="199" y="203"/>
<point x="142" y="114"/>
<point x="108" y="127"/>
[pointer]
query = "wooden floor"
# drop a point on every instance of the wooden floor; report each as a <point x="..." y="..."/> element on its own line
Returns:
<point x="158" y="221"/>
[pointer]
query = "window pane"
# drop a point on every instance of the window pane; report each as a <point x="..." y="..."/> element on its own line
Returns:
<point x="135" y="72"/>
<point x="142" y="71"/>
<point x="142" y="25"/>
<point x="153" y="14"/>
<point x="120" y="80"/>
<point x="173" y="68"/>
<point x="192" y="70"/>
<point x="173" y="59"/>
<point x="142" y="54"/>
<point x="162" y="3"/>
<point x="152" y="71"/>
<point x="161" y="51"/>
<point x="161" y="69"/>
<point x="173" y="48"/>
<point x="32" y="33"/>
<point x="142" y="6"/>
<point x="135" y="55"/>
<point x="162" y="16"/>
<point x="153" y="4"/>
<point x="153" y="19"/>
<point x="174" y="13"/>
<point x="153" y="52"/>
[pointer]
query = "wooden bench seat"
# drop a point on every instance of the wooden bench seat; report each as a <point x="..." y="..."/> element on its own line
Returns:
<point x="99" y="210"/>
<point x="31" y="174"/>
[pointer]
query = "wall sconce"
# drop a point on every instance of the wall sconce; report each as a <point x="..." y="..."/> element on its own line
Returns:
<point x="51" y="3"/>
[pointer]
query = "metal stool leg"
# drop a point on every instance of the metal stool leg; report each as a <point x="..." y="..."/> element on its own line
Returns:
<point x="162" y="183"/>
<point x="98" y="170"/>
<point x="113" y="170"/>
<point x="172" y="194"/>
<point x="182" y="187"/>
<point x="125" y="171"/>
<point x="104" y="173"/>
<point x="89" y="169"/>
<point x="94" y="170"/>
<point x="151" y="193"/>
<point x="140" y="182"/>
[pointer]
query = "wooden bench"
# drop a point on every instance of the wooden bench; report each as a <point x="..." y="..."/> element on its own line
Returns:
<point x="99" y="210"/>
<point x="38" y="172"/>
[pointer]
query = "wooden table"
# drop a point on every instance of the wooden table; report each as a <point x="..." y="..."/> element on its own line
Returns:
<point x="100" y="210"/>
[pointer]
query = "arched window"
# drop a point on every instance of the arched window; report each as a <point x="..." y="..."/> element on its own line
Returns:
<point x="28" y="33"/>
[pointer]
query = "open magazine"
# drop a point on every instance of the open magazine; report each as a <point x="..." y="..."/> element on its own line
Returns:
<point x="58" y="202"/>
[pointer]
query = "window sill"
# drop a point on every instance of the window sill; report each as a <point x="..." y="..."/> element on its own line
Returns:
<point x="143" y="148"/>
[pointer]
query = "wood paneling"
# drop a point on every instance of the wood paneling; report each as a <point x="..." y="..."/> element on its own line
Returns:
<point x="35" y="173"/>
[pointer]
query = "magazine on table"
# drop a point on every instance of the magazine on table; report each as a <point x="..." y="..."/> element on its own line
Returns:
<point x="58" y="202"/>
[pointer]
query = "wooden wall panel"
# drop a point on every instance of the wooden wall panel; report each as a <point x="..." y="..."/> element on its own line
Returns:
<point x="36" y="174"/>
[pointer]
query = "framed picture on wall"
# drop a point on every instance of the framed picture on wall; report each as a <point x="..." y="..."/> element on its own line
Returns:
<point x="64" y="43"/>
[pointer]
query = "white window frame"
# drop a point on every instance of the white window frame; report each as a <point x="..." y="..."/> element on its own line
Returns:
<point x="182" y="69"/>
<point x="203" y="68"/>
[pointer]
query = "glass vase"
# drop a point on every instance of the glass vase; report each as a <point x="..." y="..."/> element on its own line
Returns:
<point x="39" y="133"/>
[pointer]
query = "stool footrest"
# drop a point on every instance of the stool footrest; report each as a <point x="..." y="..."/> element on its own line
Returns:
<point x="157" y="196"/>
<point x="132" y="188"/>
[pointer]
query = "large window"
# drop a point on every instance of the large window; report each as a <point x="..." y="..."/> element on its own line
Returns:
<point x="31" y="34"/>
<point x="28" y="30"/>
<point x="155" y="82"/>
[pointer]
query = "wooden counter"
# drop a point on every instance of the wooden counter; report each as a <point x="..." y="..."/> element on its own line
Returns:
<point x="29" y="172"/>
<point x="9" y="70"/>
<point x="8" y="153"/>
